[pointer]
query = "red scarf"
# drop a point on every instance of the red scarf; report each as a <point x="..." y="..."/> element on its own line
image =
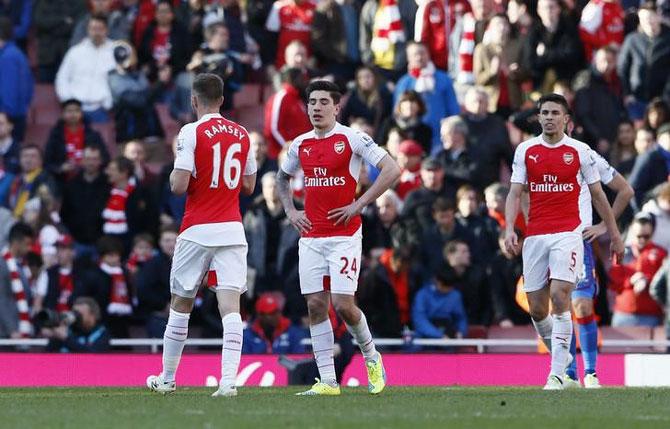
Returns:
<point x="114" y="213"/>
<point x="74" y="144"/>
<point x="119" y="295"/>
<point x="65" y="289"/>
<point x="25" y="327"/>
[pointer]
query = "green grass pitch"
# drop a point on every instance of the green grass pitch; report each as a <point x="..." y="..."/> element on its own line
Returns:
<point x="397" y="407"/>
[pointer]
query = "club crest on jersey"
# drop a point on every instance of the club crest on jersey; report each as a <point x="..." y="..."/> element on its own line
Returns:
<point x="568" y="158"/>
<point x="339" y="147"/>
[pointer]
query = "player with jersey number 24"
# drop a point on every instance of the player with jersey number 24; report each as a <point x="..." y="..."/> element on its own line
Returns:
<point x="329" y="251"/>
<point x="554" y="167"/>
<point x="213" y="164"/>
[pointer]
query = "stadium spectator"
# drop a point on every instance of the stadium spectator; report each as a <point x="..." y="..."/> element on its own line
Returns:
<point x="135" y="116"/>
<point x="64" y="151"/>
<point x="519" y="17"/>
<point x="503" y="273"/>
<point x="633" y="64"/>
<point x="57" y="286"/>
<point x="135" y="151"/>
<point x="471" y="282"/>
<point x="9" y="147"/>
<point x="170" y="206"/>
<point x="652" y="167"/>
<point x="269" y="237"/>
<point x="15" y="292"/>
<point x="496" y="66"/>
<point x="53" y="23"/>
<point x="84" y="199"/>
<point x="488" y="137"/>
<point x="368" y="99"/>
<point x="118" y="27"/>
<point x="656" y="114"/>
<point x="630" y="279"/>
<point x="438" y="310"/>
<point x="165" y="44"/>
<point x="457" y="159"/>
<point x="434" y="86"/>
<point x="229" y="13"/>
<point x="468" y="33"/>
<point x="598" y="106"/>
<point x="482" y="227"/>
<point x="623" y="153"/>
<point x="645" y="141"/>
<point x="152" y="283"/>
<point x="409" y="161"/>
<point x="495" y="195"/>
<point x="378" y="222"/>
<point x="660" y="208"/>
<point x="292" y="20"/>
<point x="385" y="27"/>
<point x="552" y="50"/>
<point x="20" y="14"/>
<point x="143" y="249"/>
<point x="407" y="114"/>
<point x="335" y="38"/>
<point x="191" y="14"/>
<point x="270" y="332"/>
<point x="16" y="81"/>
<point x="40" y="213"/>
<point x="444" y="230"/>
<point x="264" y="164"/>
<point x="435" y="23"/>
<point x="295" y="56"/>
<point x="257" y="12"/>
<point x="285" y="113"/>
<point x="601" y="25"/>
<point x="83" y="73"/>
<point x="32" y="179"/>
<point x="418" y="204"/>
<point x="85" y="335"/>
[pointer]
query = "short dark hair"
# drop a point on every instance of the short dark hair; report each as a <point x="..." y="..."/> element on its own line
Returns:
<point x="325" y="85"/>
<point x="98" y="17"/>
<point x="645" y="218"/>
<point x="446" y="276"/>
<point x="6" y="29"/>
<point x="108" y="244"/>
<point x="19" y="231"/>
<point x="443" y="204"/>
<point x="146" y="237"/>
<point x="554" y="98"/>
<point x="648" y="6"/>
<point x="414" y="97"/>
<point x="31" y="146"/>
<point x="124" y="164"/>
<point x="92" y="305"/>
<point x="208" y="88"/>
<point x="451" y="246"/>
<point x="292" y="76"/>
<point x="70" y="101"/>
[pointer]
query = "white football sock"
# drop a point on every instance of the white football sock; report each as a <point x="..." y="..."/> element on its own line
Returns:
<point x="362" y="335"/>
<point x="544" y="328"/>
<point x="561" y="336"/>
<point x="323" y="342"/>
<point x="174" y="337"/>
<point x="232" y="348"/>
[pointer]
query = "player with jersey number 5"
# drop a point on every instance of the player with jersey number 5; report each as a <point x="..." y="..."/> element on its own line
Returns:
<point x="554" y="167"/>
<point x="329" y="253"/>
<point x="213" y="164"/>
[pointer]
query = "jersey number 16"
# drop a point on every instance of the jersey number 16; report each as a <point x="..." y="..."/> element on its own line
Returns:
<point x="232" y="168"/>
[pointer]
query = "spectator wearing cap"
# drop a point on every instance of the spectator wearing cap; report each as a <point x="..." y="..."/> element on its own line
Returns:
<point x="16" y="81"/>
<point x="651" y="168"/>
<point x="58" y="285"/>
<point x="407" y="117"/>
<point x="83" y="73"/>
<point x="418" y="204"/>
<point x="459" y="164"/>
<point x="409" y="159"/>
<point x="133" y="97"/>
<point x="64" y="151"/>
<point x="9" y="147"/>
<point x="631" y="278"/>
<point x="270" y="332"/>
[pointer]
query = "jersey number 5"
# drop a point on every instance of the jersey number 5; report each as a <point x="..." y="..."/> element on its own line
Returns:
<point x="232" y="168"/>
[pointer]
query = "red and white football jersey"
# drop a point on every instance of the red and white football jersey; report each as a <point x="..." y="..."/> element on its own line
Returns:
<point x="293" y="22"/>
<point x="607" y="174"/>
<point x="331" y="165"/>
<point x="216" y="152"/>
<point x="555" y="175"/>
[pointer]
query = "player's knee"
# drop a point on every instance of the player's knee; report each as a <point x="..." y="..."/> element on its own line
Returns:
<point x="539" y="313"/>
<point x="347" y="311"/>
<point x="181" y="304"/>
<point x="317" y="307"/>
<point x="560" y="301"/>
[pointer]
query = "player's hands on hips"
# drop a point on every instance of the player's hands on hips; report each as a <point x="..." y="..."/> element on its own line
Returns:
<point x="512" y="243"/>
<point x="592" y="232"/>
<point x="299" y="220"/>
<point x="345" y="214"/>
<point x="617" y="248"/>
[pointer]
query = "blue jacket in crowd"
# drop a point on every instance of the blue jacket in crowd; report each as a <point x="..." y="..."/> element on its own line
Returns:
<point x="285" y="340"/>
<point x="16" y="81"/>
<point x="431" y="304"/>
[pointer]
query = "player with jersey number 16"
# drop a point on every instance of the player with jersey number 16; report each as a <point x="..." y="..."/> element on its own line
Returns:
<point x="213" y="164"/>
<point x="554" y="167"/>
<point x="329" y="254"/>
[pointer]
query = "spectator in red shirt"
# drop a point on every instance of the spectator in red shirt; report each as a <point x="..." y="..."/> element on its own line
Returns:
<point x="601" y="24"/>
<point x="292" y="19"/>
<point x="435" y="21"/>
<point x="630" y="280"/>
<point x="409" y="160"/>
<point x="285" y="113"/>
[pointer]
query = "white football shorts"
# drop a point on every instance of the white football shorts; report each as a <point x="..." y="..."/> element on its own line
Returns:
<point x="552" y="256"/>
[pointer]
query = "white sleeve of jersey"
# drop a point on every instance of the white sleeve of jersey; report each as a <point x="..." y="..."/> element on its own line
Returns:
<point x="519" y="174"/>
<point x="185" y="157"/>
<point x="363" y="146"/>
<point x="587" y="164"/>
<point x="291" y="164"/>
<point x="605" y="170"/>
<point x="250" y="167"/>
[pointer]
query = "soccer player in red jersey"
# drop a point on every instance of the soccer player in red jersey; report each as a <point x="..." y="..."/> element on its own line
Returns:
<point x="213" y="164"/>
<point x="553" y="166"/>
<point x="331" y="157"/>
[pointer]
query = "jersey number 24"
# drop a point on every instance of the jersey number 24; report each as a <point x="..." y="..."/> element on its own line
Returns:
<point x="232" y="167"/>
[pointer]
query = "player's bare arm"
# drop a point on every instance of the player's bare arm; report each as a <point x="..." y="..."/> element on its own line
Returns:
<point x="297" y="217"/>
<point x="605" y="212"/>
<point x="179" y="181"/>
<point x="624" y="193"/>
<point x="248" y="184"/>
<point x="390" y="172"/>
<point x="511" y="212"/>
